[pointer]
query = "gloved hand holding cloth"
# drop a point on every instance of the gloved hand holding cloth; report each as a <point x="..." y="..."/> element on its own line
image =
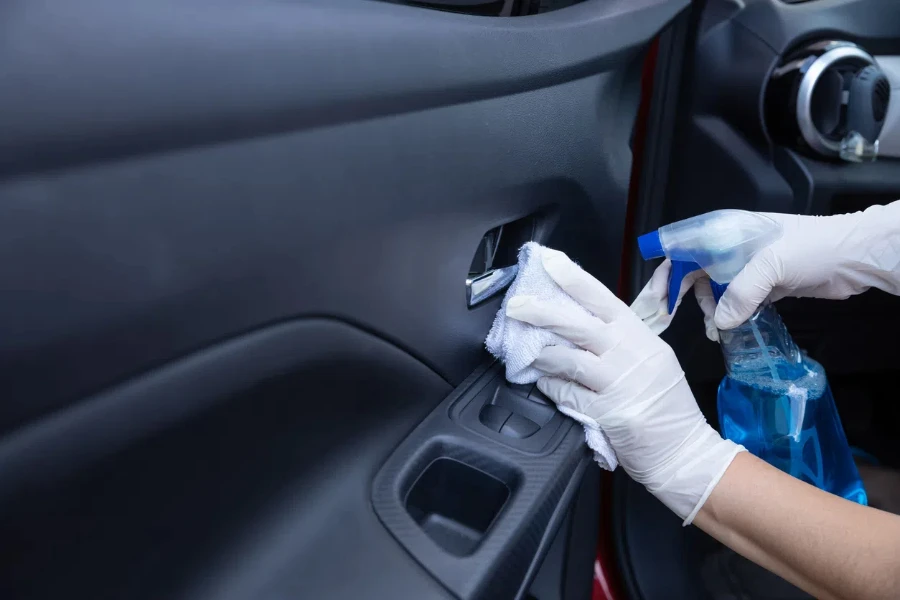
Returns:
<point x="618" y="376"/>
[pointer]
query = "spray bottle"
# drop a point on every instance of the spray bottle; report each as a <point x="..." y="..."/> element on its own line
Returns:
<point x="774" y="399"/>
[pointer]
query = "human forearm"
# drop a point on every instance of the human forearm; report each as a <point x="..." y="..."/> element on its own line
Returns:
<point x="828" y="546"/>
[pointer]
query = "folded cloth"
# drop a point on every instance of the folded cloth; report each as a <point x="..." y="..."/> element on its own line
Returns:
<point x="517" y="344"/>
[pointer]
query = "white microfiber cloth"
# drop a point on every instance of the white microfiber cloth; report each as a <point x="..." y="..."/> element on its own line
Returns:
<point x="518" y="344"/>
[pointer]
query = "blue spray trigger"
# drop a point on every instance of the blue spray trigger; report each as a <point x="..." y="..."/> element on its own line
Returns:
<point x="680" y="269"/>
<point x="650" y="245"/>
<point x="717" y="289"/>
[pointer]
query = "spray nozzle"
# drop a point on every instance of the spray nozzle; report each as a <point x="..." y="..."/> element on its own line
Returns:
<point x="721" y="243"/>
<point x="650" y="245"/>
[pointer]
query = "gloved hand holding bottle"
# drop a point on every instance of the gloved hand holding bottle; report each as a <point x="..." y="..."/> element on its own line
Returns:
<point x="831" y="257"/>
<point x="628" y="382"/>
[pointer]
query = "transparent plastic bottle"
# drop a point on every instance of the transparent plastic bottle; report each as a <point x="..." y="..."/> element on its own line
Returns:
<point x="776" y="402"/>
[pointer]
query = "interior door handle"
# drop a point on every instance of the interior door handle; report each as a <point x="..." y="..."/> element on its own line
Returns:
<point x="486" y="285"/>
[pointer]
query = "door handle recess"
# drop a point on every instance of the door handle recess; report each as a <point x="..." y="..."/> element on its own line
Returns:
<point x="486" y="285"/>
<point x="499" y="246"/>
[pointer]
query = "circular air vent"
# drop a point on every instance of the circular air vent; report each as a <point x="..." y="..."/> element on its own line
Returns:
<point x="824" y="97"/>
<point x="826" y="103"/>
<point x="819" y="95"/>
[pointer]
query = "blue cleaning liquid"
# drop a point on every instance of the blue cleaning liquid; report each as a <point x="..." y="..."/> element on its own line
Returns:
<point x="777" y="403"/>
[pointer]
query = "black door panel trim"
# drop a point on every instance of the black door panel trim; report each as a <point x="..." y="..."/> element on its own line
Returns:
<point x="212" y="477"/>
<point x="68" y="440"/>
<point x="111" y="269"/>
<point x="541" y="487"/>
<point x="138" y="77"/>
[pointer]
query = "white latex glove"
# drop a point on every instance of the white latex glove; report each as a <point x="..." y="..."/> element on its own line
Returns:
<point x="652" y="304"/>
<point x="818" y="257"/>
<point x="626" y="381"/>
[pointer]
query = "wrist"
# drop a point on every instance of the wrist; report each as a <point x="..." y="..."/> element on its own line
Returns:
<point x="664" y="443"/>
<point x="685" y="484"/>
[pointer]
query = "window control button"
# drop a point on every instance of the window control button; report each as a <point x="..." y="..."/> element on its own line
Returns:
<point x="518" y="426"/>
<point x="493" y="417"/>
<point x="537" y="396"/>
<point x="521" y="389"/>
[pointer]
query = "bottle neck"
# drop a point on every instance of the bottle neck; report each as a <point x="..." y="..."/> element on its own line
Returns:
<point x="762" y="345"/>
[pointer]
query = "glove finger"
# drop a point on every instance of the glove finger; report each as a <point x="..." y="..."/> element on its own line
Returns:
<point x="652" y="304"/>
<point x="581" y="286"/>
<point x="647" y="303"/>
<point x="579" y="327"/>
<point x="593" y="372"/>
<point x="567" y="395"/>
<point x="707" y="303"/>
<point x="748" y="290"/>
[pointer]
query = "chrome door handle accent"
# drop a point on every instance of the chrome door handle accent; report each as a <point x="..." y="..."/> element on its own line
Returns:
<point x="479" y="289"/>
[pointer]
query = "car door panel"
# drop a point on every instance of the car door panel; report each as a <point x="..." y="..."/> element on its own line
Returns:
<point x="236" y="237"/>
<point x="239" y="471"/>
<point x="391" y="183"/>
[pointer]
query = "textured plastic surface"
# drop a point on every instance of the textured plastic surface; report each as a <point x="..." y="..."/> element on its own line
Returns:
<point x="542" y="485"/>
<point x="775" y="401"/>
<point x="567" y="570"/>
<point x="455" y="504"/>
